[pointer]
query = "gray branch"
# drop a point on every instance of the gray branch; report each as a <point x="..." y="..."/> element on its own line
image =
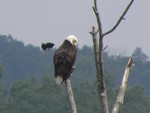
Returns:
<point x="120" y="19"/>
<point x="70" y="94"/>
<point x="98" y="18"/>
<point x="121" y="92"/>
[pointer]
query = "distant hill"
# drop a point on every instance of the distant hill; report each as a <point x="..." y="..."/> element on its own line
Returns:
<point x="20" y="62"/>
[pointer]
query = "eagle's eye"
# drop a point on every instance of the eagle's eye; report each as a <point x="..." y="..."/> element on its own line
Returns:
<point x="74" y="42"/>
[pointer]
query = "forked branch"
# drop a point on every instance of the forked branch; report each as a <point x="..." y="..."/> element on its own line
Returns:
<point x="98" y="51"/>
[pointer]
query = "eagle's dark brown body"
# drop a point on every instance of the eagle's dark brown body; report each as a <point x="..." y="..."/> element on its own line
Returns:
<point x="64" y="59"/>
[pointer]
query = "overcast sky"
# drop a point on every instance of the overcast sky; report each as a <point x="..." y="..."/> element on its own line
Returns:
<point x="37" y="21"/>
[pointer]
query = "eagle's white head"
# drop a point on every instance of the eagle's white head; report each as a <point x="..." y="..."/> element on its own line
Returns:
<point x="72" y="39"/>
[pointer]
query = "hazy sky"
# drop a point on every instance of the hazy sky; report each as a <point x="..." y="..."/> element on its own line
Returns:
<point x="37" y="21"/>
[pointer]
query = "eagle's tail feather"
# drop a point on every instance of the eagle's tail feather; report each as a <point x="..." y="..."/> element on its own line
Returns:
<point x="59" y="80"/>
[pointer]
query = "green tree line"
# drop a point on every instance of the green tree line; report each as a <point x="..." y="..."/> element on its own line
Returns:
<point x="33" y="96"/>
<point x="27" y="81"/>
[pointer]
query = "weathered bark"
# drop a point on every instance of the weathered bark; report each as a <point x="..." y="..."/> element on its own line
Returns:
<point x="121" y="92"/>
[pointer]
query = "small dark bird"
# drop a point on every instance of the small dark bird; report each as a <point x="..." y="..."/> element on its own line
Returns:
<point x="48" y="45"/>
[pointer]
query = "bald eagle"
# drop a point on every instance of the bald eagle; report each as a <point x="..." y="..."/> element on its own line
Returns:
<point x="64" y="59"/>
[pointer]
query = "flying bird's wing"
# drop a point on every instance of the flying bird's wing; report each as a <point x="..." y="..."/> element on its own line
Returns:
<point x="43" y="46"/>
<point x="47" y="45"/>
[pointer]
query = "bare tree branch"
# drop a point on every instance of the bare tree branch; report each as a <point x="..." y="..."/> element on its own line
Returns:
<point x="120" y="19"/>
<point x="105" y="48"/>
<point x="99" y="62"/>
<point x="98" y="18"/>
<point x="96" y="50"/>
<point x="70" y="94"/>
<point x="99" y="69"/>
<point x="121" y="92"/>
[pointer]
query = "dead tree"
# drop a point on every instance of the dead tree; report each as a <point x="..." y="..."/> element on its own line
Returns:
<point x="97" y="36"/>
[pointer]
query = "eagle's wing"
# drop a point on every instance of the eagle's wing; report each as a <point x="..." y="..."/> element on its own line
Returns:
<point x="63" y="63"/>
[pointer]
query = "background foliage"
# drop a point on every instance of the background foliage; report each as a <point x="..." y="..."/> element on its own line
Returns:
<point x="27" y="81"/>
